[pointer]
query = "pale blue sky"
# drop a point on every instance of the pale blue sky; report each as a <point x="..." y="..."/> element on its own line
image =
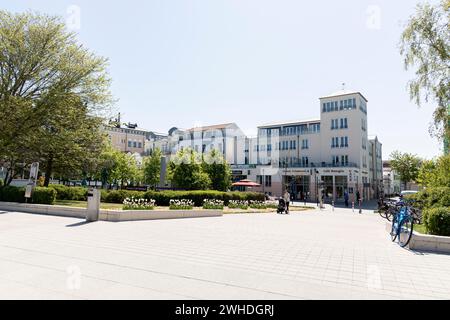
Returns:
<point x="185" y="63"/>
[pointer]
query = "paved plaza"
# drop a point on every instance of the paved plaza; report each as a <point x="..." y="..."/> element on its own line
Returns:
<point x="306" y="255"/>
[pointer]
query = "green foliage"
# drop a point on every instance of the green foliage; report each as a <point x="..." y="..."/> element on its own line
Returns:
<point x="238" y="204"/>
<point x="43" y="195"/>
<point x="12" y="194"/>
<point x="218" y="170"/>
<point x="425" y="45"/>
<point x="432" y="198"/>
<point x="406" y="165"/>
<point x="17" y="194"/>
<point x="213" y="204"/>
<point x="53" y="93"/>
<point x="435" y="173"/>
<point x="185" y="171"/>
<point x="152" y="168"/>
<point x="138" y="204"/>
<point x="437" y="221"/>
<point x="118" y="167"/>
<point x="118" y="196"/>
<point x="163" y="197"/>
<point x="69" y="193"/>
<point x="181" y="204"/>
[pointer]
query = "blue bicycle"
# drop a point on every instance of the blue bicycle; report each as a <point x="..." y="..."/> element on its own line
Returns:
<point x="402" y="226"/>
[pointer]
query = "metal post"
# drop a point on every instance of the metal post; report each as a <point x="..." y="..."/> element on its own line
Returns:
<point x="353" y="206"/>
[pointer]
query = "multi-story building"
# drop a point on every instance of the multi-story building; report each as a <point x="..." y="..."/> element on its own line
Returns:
<point x="329" y="155"/>
<point x="376" y="167"/>
<point x="227" y="138"/>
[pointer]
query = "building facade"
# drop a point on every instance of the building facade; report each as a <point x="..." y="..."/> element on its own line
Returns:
<point x="324" y="157"/>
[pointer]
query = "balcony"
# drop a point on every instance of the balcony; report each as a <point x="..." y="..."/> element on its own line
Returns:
<point x="321" y="165"/>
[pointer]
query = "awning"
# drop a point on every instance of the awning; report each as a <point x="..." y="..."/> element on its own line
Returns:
<point x="246" y="183"/>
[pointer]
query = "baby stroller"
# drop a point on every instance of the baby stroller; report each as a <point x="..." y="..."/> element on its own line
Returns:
<point x="281" y="206"/>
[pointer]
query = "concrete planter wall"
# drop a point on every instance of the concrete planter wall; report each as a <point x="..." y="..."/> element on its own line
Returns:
<point x="108" y="215"/>
<point x="44" y="209"/>
<point x="426" y="242"/>
<point x="117" y="216"/>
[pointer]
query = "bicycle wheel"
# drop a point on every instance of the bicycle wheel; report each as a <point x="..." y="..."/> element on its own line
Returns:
<point x="390" y="213"/>
<point x="382" y="213"/>
<point x="406" y="231"/>
<point x="394" y="228"/>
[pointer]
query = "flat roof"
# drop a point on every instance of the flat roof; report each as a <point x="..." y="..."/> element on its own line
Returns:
<point x="288" y="123"/>
<point x="343" y="93"/>
<point x="212" y="127"/>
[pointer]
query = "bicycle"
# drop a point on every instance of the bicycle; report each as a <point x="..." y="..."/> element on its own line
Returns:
<point x="402" y="226"/>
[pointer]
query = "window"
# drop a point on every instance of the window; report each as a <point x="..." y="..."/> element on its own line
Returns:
<point x="345" y="123"/>
<point x="305" y="144"/>
<point x="268" y="181"/>
<point x="129" y="144"/>
<point x="335" y="160"/>
<point x="324" y="108"/>
<point x="140" y="145"/>
<point x="305" y="162"/>
<point x="341" y="105"/>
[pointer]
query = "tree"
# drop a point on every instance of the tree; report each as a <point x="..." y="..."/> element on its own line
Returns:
<point x="152" y="168"/>
<point x="185" y="171"/>
<point x="116" y="167"/>
<point x="406" y="165"/>
<point x="218" y="170"/>
<point x="435" y="173"/>
<point x="425" y="45"/>
<point x="45" y="76"/>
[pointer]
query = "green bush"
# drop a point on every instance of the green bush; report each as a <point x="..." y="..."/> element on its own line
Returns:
<point x="17" y="194"/>
<point x="69" y="193"/>
<point x="12" y="194"/>
<point x="118" y="196"/>
<point x="432" y="198"/>
<point x="437" y="221"/>
<point x="44" y="196"/>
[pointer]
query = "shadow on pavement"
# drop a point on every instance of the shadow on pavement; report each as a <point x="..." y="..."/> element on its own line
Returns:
<point x="78" y="224"/>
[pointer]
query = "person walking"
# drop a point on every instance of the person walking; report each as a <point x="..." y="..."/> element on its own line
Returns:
<point x="287" y="199"/>
<point x="346" y="198"/>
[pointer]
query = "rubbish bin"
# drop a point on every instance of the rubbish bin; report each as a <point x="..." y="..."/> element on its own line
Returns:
<point x="93" y="207"/>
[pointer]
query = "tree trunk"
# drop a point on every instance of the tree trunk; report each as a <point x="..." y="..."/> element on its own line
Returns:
<point x="48" y="170"/>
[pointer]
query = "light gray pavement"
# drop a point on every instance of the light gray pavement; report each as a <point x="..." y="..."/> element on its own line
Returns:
<point x="306" y="255"/>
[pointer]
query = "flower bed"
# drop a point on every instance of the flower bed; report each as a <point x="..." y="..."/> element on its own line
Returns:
<point x="182" y="204"/>
<point x="138" y="204"/>
<point x="258" y="204"/>
<point x="238" y="204"/>
<point x="212" y="204"/>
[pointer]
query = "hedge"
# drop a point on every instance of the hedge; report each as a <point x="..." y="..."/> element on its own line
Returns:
<point x="69" y="193"/>
<point x="163" y="198"/>
<point x="12" y="194"/>
<point x="437" y="221"/>
<point x="17" y="194"/>
<point x="44" y="195"/>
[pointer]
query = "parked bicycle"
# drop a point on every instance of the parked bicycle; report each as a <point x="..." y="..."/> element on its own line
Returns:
<point x="402" y="225"/>
<point x="388" y="209"/>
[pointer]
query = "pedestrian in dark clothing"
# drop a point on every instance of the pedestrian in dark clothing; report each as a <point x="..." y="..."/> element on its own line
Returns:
<point x="346" y="198"/>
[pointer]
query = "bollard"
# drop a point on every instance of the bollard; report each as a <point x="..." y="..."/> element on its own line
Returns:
<point x="353" y="206"/>
<point x="332" y="205"/>
<point x="360" y="209"/>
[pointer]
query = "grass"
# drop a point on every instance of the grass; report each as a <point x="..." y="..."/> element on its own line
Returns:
<point x="83" y="204"/>
<point x="118" y="206"/>
<point x="420" y="228"/>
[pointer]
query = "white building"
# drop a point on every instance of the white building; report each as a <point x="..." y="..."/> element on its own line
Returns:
<point x="329" y="155"/>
